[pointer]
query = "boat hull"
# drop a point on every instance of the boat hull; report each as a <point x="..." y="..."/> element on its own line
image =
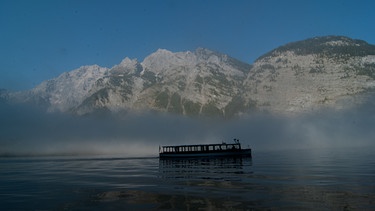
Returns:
<point x="240" y="153"/>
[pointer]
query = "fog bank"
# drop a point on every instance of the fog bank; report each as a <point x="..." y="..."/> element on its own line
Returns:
<point x="29" y="131"/>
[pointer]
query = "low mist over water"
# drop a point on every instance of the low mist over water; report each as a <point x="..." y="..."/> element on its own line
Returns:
<point x="29" y="131"/>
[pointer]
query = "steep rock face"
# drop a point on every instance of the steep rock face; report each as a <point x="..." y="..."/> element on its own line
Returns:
<point x="294" y="78"/>
<point x="307" y="75"/>
<point x="189" y="83"/>
<point x="64" y="92"/>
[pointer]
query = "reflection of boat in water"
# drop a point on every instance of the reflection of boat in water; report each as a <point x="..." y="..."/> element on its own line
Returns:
<point x="204" y="150"/>
<point x="205" y="168"/>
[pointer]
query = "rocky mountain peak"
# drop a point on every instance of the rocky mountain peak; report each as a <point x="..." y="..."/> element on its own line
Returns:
<point x="127" y="66"/>
<point x="163" y="59"/>
<point x="127" y="63"/>
<point x="297" y="77"/>
<point x="309" y="74"/>
<point x="329" y="46"/>
<point x="70" y="88"/>
<point x="207" y="55"/>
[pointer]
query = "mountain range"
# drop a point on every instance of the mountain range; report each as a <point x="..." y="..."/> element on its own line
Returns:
<point x="296" y="78"/>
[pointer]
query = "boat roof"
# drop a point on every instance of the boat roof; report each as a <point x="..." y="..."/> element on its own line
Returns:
<point x="197" y="145"/>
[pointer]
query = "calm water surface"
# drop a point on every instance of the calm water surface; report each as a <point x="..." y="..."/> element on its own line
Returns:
<point x="279" y="180"/>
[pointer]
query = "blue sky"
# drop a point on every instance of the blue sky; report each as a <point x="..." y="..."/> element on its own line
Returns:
<point x="40" y="39"/>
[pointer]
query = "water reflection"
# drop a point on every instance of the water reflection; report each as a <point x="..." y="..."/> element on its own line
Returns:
<point x="204" y="168"/>
<point x="287" y="180"/>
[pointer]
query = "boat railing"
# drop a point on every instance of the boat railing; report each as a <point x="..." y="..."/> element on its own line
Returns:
<point x="200" y="148"/>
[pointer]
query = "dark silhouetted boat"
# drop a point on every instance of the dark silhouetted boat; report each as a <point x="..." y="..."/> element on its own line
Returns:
<point x="204" y="150"/>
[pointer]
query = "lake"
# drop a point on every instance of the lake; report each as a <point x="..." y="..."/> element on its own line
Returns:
<point x="326" y="179"/>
